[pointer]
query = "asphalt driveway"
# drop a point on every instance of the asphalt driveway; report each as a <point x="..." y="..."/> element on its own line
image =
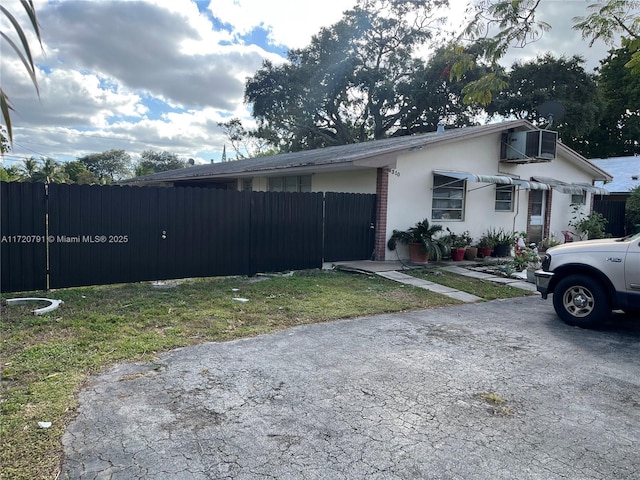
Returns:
<point x="497" y="390"/>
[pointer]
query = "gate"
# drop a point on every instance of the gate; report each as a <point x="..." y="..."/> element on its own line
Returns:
<point x="349" y="226"/>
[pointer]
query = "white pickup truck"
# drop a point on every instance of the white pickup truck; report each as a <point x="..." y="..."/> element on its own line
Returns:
<point x="591" y="278"/>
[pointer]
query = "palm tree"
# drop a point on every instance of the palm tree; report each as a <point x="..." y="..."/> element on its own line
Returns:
<point x="50" y="172"/>
<point x="24" y="53"/>
<point x="29" y="169"/>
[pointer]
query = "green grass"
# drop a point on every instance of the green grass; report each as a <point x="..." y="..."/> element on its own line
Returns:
<point x="46" y="359"/>
<point x="484" y="289"/>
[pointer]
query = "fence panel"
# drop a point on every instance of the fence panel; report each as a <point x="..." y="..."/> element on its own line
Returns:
<point x="349" y="226"/>
<point x="286" y="231"/>
<point x="118" y="234"/>
<point x="613" y="209"/>
<point x="102" y="235"/>
<point x="23" y="247"/>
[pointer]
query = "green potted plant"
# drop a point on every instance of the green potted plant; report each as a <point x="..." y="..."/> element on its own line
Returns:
<point x="502" y="240"/>
<point x="459" y="244"/>
<point x="421" y="240"/>
<point x="485" y="246"/>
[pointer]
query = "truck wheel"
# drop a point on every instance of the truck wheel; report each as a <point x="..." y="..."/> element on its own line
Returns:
<point x="580" y="301"/>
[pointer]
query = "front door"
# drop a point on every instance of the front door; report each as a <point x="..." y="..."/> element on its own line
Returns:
<point x="535" y="225"/>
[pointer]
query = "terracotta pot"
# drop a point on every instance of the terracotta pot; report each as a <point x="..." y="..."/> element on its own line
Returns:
<point x="471" y="253"/>
<point x="484" y="251"/>
<point x="417" y="253"/>
<point x="458" y="254"/>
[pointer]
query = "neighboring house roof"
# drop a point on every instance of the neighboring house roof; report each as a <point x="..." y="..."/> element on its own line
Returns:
<point x="375" y="153"/>
<point x="625" y="172"/>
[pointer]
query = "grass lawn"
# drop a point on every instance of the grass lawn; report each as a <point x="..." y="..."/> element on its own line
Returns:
<point x="482" y="288"/>
<point x="46" y="360"/>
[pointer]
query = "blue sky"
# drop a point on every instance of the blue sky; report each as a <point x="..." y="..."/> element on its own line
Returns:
<point x="160" y="74"/>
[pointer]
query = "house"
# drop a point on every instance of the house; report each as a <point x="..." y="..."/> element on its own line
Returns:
<point x="626" y="177"/>
<point x="507" y="175"/>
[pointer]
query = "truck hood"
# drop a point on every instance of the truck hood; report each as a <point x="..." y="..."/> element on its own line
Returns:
<point x="599" y="245"/>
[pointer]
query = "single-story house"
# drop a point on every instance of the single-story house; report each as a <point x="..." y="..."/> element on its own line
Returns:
<point x="508" y="175"/>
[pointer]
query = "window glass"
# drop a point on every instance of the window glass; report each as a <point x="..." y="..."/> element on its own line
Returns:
<point x="448" y="198"/>
<point x="578" y="198"/>
<point x="504" y="198"/>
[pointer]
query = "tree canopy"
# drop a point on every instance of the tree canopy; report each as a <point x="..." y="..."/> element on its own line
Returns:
<point x="547" y="78"/>
<point x="108" y="166"/>
<point x="518" y="25"/>
<point x="153" y="162"/>
<point x="357" y="80"/>
<point x="618" y="131"/>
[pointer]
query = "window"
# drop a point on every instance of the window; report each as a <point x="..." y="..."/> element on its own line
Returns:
<point x="290" y="184"/>
<point x="247" y="184"/>
<point x="448" y="198"/>
<point x="578" y="199"/>
<point x="504" y="198"/>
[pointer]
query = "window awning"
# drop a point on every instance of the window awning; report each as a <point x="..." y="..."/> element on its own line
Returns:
<point x="538" y="183"/>
<point x="572" y="188"/>
<point x="498" y="179"/>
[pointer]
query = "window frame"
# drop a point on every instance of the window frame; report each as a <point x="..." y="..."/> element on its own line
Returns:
<point x="500" y="188"/>
<point x="445" y="190"/>
<point x="301" y="183"/>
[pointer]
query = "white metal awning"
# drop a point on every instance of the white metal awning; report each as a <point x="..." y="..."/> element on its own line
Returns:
<point x="498" y="179"/>
<point x="572" y="188"/>
<point x="538" y="183"/>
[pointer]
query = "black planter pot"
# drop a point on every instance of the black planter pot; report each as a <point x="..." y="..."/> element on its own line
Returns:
<point x="501" y="250"/>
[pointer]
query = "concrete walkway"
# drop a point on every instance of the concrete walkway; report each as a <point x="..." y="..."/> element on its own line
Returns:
<point x="391" y="271"/>
<point x="431" y="286"/>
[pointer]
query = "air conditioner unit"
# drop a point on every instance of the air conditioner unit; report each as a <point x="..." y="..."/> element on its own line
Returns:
<point x="530" y="146"/>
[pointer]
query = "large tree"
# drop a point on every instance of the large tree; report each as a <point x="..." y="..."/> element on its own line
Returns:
<point x="77" y="172"/>
<point x="517" y="25"/>
<point x="108" y="166"/>
<point x="354" y="82"/>
<point x="547" y="78"/>
<point x="618" y="131"/>
<point x="153" y="162"/>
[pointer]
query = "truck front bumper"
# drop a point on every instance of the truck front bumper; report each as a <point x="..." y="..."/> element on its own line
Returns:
<point x="543" y="279"/>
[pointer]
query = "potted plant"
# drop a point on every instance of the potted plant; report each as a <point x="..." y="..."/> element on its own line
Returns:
<point x="503" y="241"/>
<point x="459" y="244"/>
<point x="421" y="240"/>
<point x="547" y="243"/>
<point x="485" y="246"/>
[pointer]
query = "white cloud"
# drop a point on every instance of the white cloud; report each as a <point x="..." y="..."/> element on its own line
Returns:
<point x="157" y="74"/>
<point x="290" y="22"/>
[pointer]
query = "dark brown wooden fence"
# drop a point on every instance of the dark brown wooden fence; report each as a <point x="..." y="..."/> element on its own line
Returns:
<point x="72" y="235"/>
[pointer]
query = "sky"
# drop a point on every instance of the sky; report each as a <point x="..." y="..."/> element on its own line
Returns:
<point x="161" y="74"/>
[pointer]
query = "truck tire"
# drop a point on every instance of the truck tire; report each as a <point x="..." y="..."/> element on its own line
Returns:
<point x="580" y="300"/>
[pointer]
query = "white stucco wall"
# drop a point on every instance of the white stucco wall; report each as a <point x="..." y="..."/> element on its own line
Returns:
<point x="346" y="181"/>
<point x="353" y="181"/>
<point x="411" y="183"/>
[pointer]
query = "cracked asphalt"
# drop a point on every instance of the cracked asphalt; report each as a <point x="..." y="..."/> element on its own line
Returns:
<point x="498" y="390"/>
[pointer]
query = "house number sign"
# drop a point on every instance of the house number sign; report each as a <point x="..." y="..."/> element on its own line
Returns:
<point x="395" y="172"/>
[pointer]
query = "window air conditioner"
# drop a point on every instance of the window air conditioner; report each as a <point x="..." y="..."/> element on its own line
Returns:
<point x="530" y="146"/>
